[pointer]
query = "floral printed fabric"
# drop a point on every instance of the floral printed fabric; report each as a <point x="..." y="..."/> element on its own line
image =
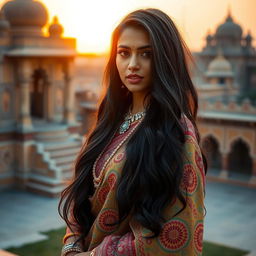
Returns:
<point x="180" y="235"/>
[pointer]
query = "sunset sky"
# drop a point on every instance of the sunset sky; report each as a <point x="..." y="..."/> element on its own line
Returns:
<point x="92" y="21"/>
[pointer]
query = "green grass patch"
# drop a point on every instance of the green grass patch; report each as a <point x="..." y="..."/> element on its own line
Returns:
<point x="212" y="249"/>
<point x="52" y="247"/>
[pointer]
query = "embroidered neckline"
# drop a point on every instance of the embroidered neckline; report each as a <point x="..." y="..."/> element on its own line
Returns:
<point x="97" y="179"/>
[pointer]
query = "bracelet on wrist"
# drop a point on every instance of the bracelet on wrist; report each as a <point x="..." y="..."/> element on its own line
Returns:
<point x="71" y="247"/>
<point x="68" y="236"/>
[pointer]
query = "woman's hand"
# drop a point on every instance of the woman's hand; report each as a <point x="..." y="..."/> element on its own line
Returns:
<point x="83" y="254"/>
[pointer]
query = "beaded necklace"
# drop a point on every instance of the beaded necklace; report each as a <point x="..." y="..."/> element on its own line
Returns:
<point x="97" y="180"/>
<point x="129" y="119"/>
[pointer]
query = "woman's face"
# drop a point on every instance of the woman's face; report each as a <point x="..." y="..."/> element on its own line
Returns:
<point x="133" y="59"/>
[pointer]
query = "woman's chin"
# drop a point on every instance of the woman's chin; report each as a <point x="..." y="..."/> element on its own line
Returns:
<point x="135" y="89"/>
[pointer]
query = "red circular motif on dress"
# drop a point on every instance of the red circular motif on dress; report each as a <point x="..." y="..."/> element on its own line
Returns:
<point x="189" y="180"/>
<point x="119" y="157"/>
<point x="102" y="194"/>
<point x="108" y="217"/>
<point x="198" y="237"/>
<point x="112" y="180"/>
<point x="200" y="165"/>
<point x="174" y="235"/>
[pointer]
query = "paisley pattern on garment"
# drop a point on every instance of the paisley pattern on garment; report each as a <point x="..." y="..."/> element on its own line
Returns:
<point x="119" y="157"/>
<point x="112" y="179"/>
<point x="181" y="234"/>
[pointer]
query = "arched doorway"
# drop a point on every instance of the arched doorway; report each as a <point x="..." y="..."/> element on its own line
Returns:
<point x="37" y="93"/>
<point x="239" y="159"/>
<point x="211" y="150"/>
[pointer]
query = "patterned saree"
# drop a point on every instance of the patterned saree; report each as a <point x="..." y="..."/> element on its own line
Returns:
<point x="180" y="235"/>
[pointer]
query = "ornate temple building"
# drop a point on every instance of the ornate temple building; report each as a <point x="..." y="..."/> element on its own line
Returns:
<point x="236" y="49"/>
<point x="38" y="131"/>
<point x="226" y="70"/>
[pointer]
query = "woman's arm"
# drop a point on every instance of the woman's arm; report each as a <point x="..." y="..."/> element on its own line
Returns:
<point x="70" y="247"/>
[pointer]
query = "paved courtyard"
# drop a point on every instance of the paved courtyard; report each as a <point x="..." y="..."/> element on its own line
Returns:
<point x="230" y="218"/>
<point x="23" y="215"/>
<point x="231" y="215"/>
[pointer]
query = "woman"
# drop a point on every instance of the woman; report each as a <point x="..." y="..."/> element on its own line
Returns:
<point x="139" y="179"/>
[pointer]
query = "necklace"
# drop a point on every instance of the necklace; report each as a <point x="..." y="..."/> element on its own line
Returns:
<point x="129" y="119"/>
<point x="97" y="180"/>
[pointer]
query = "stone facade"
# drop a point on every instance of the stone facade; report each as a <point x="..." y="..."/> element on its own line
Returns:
<point x="228" y="138"/>
<point x="38" y="131"/>
<point x="227" y="70"/>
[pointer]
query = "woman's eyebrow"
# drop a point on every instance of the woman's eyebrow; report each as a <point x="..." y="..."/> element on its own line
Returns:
<point x="139" y="48"/>
<point x="144" y="47"/>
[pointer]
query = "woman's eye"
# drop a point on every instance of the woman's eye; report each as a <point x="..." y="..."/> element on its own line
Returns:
<point x="123" y="53"/>
<point x="146" y="54"/>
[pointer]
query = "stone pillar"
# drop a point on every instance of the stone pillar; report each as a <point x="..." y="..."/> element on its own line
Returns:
<point x="69" y="93"/>
<point x="50" y="101"/>
<point x="25" y="72"/>
<point x="253" y="178"/>
<point x="23" y="163"/>
<point x="224" y="166"/>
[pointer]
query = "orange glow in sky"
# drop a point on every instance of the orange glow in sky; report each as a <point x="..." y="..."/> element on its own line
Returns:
<point x="92" y="21"/>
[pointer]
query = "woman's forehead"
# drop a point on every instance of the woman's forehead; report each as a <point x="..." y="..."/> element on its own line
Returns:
<point x="133" y="37"/>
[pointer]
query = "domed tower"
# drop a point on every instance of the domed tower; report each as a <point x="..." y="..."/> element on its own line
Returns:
<point x="220" y="71"/>
<point x="55" y="29"/>
<point x="229" y="33"/>
<point x="237" y="48"/>
<point x="29" y="21"/>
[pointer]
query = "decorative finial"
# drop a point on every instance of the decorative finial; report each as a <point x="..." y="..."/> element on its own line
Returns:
<point x="219" y="52"/>
<point x="229" y="17"/>
<point x="248" y="37"/>
<point x="55" y="20"/>
<point x="55" y="29"/>
<point x="229" y="10"/>
<point x="209" y="37"/>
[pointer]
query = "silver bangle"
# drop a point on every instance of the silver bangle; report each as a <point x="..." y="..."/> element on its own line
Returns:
<point x="71" y="247"/>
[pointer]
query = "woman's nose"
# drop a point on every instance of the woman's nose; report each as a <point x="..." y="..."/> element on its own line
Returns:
<point x="133" y="64"/>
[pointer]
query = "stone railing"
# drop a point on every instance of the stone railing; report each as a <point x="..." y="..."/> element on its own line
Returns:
<point x="231" y="106"/>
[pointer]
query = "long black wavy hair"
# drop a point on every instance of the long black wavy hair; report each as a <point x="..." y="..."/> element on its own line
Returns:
<point x="152" y="173"/>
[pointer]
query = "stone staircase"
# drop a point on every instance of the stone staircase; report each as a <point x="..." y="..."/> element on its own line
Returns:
<point x="52" y="159"/>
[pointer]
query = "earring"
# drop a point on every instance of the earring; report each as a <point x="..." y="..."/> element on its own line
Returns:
<point x="122" y="86"/>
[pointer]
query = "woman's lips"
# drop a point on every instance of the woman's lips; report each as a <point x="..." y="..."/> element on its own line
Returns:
<point x="134" y="79"/>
